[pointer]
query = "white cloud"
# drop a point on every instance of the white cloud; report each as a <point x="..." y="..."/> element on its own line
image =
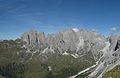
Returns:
<point x="75" y="29"/>
<point x="94" y="30"/>
<point x="113" y="29"/>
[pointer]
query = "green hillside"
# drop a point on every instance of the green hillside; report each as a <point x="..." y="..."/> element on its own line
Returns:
<point x="13" y="65"/>
<point x="114" y="73"/>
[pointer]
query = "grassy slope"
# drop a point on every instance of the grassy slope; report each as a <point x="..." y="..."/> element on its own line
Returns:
<point x="62" y="66"/>
<point x="114" y="73"/>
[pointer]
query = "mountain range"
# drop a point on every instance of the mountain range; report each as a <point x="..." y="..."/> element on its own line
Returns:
<point x="71" y="53"/>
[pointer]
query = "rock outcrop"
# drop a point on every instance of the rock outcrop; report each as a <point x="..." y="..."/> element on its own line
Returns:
<point x="110" y="58"/>
<point x="80" y="41"/>
<point x="33" y="38"/>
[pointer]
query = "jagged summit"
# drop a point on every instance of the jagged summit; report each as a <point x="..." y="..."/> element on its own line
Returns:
<point x="69" y="38"/>
<point x="79" y="42"/>
<point x="33" y="38"/>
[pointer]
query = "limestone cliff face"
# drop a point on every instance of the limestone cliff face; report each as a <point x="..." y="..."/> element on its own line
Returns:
<point x="30" y="37"/>
<point x="69" y="39"/>
<point x="109" y="59"/>
<point x="41" y="39"/>
<point x="33" y="38"/>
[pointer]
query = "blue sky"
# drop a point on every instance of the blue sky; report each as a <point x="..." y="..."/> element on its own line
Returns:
<point x="50" y="16"/>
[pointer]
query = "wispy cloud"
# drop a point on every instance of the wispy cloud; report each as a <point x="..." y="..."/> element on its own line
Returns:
<point x="8" y="9"/>
<point x="95" y="30"/>
<point x="113" y="29"/>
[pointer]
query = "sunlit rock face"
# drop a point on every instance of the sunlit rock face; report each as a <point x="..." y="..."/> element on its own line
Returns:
<point x="71" y="39"/>
<point x="51" y="40"/>
<point x="30" y="37"/>
<point x="33" y="38"/>
<point x="63" y="40"/>
<point x="110" y="57"/>
<point x="41" y="39"/>
<point x="113" y="40"/>
<point x="77" y="41"/>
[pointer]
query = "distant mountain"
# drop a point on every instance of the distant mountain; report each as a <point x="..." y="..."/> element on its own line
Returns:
<point x="72" y="53"/>
<point x="69" y="39"/>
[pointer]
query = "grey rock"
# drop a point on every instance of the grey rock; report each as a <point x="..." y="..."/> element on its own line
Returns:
<point x="41" y="40"/>
<point x="33" y="38"/>
<point x="80" y="42"/>
<point x="30" y="37"/>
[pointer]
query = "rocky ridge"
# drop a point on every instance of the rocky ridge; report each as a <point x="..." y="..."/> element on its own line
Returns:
<point x="76" y="43"/>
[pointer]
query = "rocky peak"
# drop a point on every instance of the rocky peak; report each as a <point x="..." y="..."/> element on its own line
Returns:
<point x="30" y="37"/>
<point x="33" y="38"/>
<point x="67" y="39"/>
<point x="41" y="39"/>
<point x="113" y="41"/>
